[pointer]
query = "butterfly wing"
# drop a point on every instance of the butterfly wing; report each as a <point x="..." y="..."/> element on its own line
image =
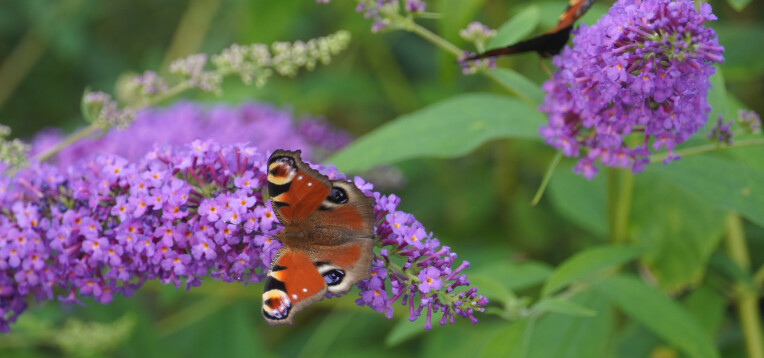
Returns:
<point x="547" y="44"/>
<point x="293" y="282"/>
<point x="328" y="237"/>
<point x="576" y="9"/>
<point x="296" y="189"/>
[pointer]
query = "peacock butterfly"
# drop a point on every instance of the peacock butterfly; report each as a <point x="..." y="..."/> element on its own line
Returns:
<point x="549" y="43"/>
<point x="328" y="237"/>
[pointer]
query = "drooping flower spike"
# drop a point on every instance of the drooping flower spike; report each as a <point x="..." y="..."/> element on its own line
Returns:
<point x="643" y="69"/>
<point x="105" y="225"/>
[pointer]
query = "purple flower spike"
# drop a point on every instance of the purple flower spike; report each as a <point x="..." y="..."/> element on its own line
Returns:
<point x="269" y="127"/>
<point x="642" y="71"/>
<point x="105" y="225"/>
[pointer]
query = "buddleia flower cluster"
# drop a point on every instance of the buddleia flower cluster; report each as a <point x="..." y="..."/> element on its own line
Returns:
<point x="180" y="215"/>
<point x="13" y="153"/>
<point x="633" y="83"/>
<point x="270" y="127"/>
<point x="416" y="269"/>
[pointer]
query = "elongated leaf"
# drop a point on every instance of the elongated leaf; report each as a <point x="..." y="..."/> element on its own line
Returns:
<point x="520" y="84"/>
<point x="707" y="305"/>
<point x="516" y="28"/>
<point x="562" y="306"/>
<point x="717" y="98"/>
<point x="440" y="342"/>
<point x="659" y="314"/>
<point x="587" y="264"/>
<point x="579" y="200"/>
<point x="738" y="4"/>
<point x="565" y="336"/>
<point x="403" y="331"/>
<point x="678" y="230"/>
<point x="724" y="264"/>
<point x="719" y="182"/>
<point x="447" y="129"/>
<point x="509" y="342"/>
<point x="515" y="276"/>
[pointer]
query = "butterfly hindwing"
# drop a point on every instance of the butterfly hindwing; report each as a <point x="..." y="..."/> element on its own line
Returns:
<point x="293" y="282"/>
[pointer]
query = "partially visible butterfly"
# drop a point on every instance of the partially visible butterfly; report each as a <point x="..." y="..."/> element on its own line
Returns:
<point x="549" y="43"/>
<point x="328" y="237"/>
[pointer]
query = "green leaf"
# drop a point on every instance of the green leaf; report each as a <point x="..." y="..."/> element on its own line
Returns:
<point x="659" y="314"/>
<point x="515" y="276"/>
<point x="579" y="200"/>
<point x="508" y="342"/>
<point x="447" y="129"/>
<point x="520" y="84"/>
<point x="439" y="341"/>
<point x="516" y="28"/>
<point x="724" y="264"/>
<point x="707" y="306"/>
<point x="493" y="289"/>
<point x="679" y="231"/>
<point x="562" y="306"/>
<point x="717" y="98"/>
<point x="743" y="49"/>
<point x="405" y="330"/>
<point x="564" y="336"/>
<point x="738" y="5"/>
<point x="719" y="182"/>
<point x="588" y="264"/>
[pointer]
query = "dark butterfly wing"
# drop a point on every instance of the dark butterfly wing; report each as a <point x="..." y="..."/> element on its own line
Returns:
<point x="547" y="44"/>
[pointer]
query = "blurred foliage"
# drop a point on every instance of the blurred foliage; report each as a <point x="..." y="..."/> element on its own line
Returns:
<point x="476" y="203"/>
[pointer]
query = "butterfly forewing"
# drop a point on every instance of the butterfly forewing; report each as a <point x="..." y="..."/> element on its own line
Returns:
<point x="296" y="190"/>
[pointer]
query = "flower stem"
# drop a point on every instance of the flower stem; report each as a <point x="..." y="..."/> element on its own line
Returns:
<point x="82" y="133"/>
<point x="700" y="149"/>
<point x="746" y="301"/>
<point x="620" y="188"/>
<point x="758" y="278"/>
<point x="93" y="127"/>
<point x="432" y="37"/>
<point x="191" y="30"/>
<point x="547" y="176"/>
<point x="458" y="52"/>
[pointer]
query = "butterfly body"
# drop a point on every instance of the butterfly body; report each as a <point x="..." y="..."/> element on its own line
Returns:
<point x="328" y="237"/>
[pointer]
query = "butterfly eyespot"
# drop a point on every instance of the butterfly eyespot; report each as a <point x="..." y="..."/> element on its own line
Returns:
<point x="334" y="277"/>
<point x="338" y="196"/>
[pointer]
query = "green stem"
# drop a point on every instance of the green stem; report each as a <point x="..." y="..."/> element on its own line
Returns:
<point x="82" y="133"/>
<point x="93" y="127"/>
<point x="191" y="30"/>
<point x="746" y="301"/>
<point x="432" y="37"/>
<point x="447" y="46"/>
<point x="759" y="277"/>
<point x="708" y="148"/>
<point x="547" y="176"/>
<point x="620" y="188"/>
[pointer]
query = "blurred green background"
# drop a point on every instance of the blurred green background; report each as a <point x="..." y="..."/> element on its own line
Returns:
<point x="478" y="204"/>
